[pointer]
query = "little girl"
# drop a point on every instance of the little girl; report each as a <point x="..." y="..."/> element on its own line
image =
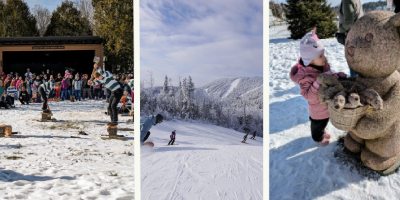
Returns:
<point x="313" y="62"/>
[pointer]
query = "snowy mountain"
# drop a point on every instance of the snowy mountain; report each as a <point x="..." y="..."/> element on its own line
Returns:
<point x="299" y="168"/>
<point x="208" y="162"/>
<point x="238" y="91"/>
<point x="230" y="102"/>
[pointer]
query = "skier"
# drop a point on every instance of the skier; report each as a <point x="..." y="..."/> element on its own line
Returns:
<point x="44" y="91"/>
<point x="145" y="125"/>
<point x="254" y="135"/>
<point x="247" y="132"/>
<point x="245" y="137"/>
<point x="172" y="136"/>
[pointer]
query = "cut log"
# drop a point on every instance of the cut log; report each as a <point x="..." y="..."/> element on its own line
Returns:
<point x="5" y="130"/>
<point x="46" y="116"/>
<point x="112" y="130"/>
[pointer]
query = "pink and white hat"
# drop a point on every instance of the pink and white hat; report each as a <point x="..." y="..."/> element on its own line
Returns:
<point x="310" y="47"/>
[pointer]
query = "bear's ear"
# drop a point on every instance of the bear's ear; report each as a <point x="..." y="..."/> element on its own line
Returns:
<point x="395" y="20"/>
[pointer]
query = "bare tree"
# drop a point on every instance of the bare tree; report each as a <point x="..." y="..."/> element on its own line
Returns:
<point x="43" y="18"/>
<point x="86" y="9"/>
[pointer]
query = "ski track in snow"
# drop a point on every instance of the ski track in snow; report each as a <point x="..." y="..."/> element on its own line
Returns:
<point x="233" y="85"/>
<point x="208" y="162"/>
<point x="55" y="166"/>
<point x="299" y="168"/>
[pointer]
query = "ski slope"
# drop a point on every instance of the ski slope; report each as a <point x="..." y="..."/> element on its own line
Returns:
<point x="233" y="85"/>
<point x="49" y="160"/>
<point x="299" y="168"/>
<point x="208" y="162"/>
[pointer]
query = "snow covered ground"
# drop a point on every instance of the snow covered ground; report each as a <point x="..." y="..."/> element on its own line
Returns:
<point x="208" y="162"/>
<point x="49" y="160"/>
<point x="299" y="169"/>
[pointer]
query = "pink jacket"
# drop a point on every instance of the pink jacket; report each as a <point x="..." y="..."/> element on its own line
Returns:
<point x="18" y="84"/>
<point x="306" y="77"/>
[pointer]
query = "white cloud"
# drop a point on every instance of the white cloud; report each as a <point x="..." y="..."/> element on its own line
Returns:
<point x="207" y="40"/>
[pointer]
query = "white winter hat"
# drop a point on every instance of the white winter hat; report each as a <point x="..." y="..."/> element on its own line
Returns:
<point x="310" y="47"/>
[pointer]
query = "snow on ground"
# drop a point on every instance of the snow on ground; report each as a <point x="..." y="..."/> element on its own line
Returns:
<point x="299" y="169"/>
<point x="208" y="162"/>
<point x="233" y="85"/>
<point x="49" y="160"/>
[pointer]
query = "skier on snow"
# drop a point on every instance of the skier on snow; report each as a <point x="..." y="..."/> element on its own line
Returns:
<point x="247" y="131"/>
<point x="172" y="137"/>
<point x="254" y="135"/>
<point x="145" y="125"/>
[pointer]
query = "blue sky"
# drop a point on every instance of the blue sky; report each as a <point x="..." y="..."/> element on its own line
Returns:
<point x="49" y="4"/>
<point x="332" y="2"/>
<point x="205" y="39"/>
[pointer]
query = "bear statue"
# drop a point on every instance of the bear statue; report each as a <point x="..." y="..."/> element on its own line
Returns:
<point x="372" y="50"/>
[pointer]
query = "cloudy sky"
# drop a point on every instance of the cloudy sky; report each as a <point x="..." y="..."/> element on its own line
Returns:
<point x="205" y="39"/>
<point x="49" y="4"/>
<point x="333" y="2"/>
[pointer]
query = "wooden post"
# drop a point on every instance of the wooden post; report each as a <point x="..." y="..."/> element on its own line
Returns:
<point x="112" y="130"/>
<point x="46" y="116"/>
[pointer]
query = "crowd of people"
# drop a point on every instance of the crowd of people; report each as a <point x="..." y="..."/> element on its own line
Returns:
<point x="64" y="86"/>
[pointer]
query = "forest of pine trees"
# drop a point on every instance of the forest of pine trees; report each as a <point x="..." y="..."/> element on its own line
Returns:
<point x="184" y="102"/>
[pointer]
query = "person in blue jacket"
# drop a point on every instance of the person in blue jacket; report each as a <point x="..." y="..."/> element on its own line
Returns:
<point x="145" y="125"/>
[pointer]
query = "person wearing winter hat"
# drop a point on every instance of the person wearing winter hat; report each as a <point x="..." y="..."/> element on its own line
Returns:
<point x="312" y="63"/>
<point x="145" y="125"/>
<point x="172" y="138"/>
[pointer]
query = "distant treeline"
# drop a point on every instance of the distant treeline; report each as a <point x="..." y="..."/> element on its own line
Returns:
<point x="278" y="9"/>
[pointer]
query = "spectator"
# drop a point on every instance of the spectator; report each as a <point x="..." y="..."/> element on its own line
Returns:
<point x="28" y="73"/>
<point x="23" y="96"/>
<point x="350" y="11"/>
<point x="77" y="83"/>
<point x="1" y="87"/>
<point x="64" y="89"/>
<point x="86" y="87"/>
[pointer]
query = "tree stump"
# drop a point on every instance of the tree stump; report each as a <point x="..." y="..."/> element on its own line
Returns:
<point x="46" y="116"/>
<point x="5" y="130"/>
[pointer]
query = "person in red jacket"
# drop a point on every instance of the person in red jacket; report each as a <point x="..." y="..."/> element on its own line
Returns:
<point x="172" y="137"/>
<point x="312" y="63"/>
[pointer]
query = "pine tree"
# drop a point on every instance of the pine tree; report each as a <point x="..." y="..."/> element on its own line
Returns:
<point x="66" y="20"/>
<point x="190" y="95"/>
<point x="184" y="89"/>
<point x="16" y="19"/>
<point x="303" y="15"/>
<point x="165" y="87"/>
<point x="113" y="21"/>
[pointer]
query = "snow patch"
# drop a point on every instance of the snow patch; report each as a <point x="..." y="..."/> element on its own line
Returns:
<point x="208" y="162"/>
<point x="50" y="160"/>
